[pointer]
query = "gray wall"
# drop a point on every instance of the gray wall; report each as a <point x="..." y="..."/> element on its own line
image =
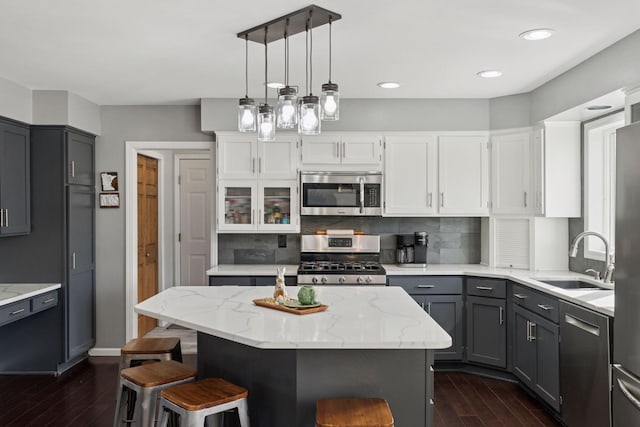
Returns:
<point x="451" y="240"/>
<point x="616" y="67"/>
<point x="374" y="115"/>
<point x="120" y="124"/>
<point x="511" y="111"/>
<point x="15" y="101"/>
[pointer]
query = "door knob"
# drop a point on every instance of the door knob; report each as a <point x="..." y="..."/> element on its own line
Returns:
<point x="148" y="254"/>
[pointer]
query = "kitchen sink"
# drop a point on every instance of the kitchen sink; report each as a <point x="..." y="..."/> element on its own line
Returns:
<point x="571" y="284"/>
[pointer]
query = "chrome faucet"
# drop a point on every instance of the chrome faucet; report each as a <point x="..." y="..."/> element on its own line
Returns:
<point x="609" y="267"/>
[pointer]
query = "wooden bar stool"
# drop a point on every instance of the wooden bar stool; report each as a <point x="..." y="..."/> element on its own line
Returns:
<point x="144" y="349"/>
<point x="372" y="412"/>
<point x="146" y="381"/>
<point x="194" y="401"/>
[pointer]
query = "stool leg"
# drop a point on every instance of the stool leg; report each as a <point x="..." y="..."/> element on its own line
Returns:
<point x="163" y="414"/>
<point x="193" y="419"/>
<point x="121" y="405"/>
<point x="243" y="412"/>
<point x="146" y="414"/>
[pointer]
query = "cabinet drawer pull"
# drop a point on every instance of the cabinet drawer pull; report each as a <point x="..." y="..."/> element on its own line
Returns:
<point x="442" y="199"/>
<point x="429" y="308"/>
<point x="627" y="393"/>
<point x="501" y="316"/>
<point x="47" y="301"/>
<point x="73" y="168"/>
<point x="533" y="331"/>
<point x="1" y="218"/>
<point x="545" y="307"/>
<point x="426" y="286"/>
<point x="430" y="199"/>
<point x="6" y="217"/>
<point x="13" y="313"/>
<point x="520" y="296"/>
<point x="484" y="288"/>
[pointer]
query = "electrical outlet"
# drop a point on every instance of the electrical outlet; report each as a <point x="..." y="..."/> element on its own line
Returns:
<point x="282" y="240"/>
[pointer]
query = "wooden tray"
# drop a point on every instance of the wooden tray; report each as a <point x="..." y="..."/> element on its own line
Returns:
<point x="268" y="303"/>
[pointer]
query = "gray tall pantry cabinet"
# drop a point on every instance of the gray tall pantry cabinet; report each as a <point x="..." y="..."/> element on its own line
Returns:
<point x="61" y="246"/>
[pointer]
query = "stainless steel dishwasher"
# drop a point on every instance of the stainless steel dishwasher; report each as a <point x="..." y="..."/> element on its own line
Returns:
<point x="585" y="367"/>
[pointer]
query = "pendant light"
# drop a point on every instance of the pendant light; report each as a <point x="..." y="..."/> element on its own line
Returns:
<point x="330" y="97"/>
<point x="287" y="96"/>
<point x="266" y="118"/>
<point x="309" y="110"/>
<point x="246" y="105"/>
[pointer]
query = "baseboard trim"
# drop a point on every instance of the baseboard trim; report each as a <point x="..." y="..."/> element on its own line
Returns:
<point x="104" y="352"/>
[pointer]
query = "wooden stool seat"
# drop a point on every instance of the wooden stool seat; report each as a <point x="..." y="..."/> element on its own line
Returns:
<point x="203" y="394"/>
<point x="155" y="374"/>
<point x="150" y="345"/>
<point x="194" y="402"/>
<point x="371" y="412"/>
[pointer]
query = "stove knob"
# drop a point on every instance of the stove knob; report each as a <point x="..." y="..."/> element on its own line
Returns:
<point x="314" y="280"/>
<point x="324" y="280"/>
<point x="369" y="279"/>
<point x="341" y="280"/>
<point x="359" y="280"/>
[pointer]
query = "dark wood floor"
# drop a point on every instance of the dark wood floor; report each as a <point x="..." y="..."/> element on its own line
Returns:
<point x="471" y="400"/>
<point x="85" y="396"/>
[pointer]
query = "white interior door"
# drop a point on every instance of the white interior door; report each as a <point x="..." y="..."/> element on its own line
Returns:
<point x="195" y="216"/>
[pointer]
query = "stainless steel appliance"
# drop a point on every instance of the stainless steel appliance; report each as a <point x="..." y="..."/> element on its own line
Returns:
<point x="585" y="359"/>
<point x="411" y="249"/>
<point x="341" y="193"/>
<point x="626" y="332"/>
<point x="340" y="259"/>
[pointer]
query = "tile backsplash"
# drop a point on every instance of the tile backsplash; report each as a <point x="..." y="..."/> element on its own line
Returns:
<point x="451" y="240"/>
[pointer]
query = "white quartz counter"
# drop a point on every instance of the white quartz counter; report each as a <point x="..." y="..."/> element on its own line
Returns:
<point x="358" y="317"/>
<point x="251" y="270"/>
<point x="12" y="292"/>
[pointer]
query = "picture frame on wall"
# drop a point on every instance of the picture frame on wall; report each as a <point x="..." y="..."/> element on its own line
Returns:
<point x="109" y="200"/>
<point x="109" y="181"/>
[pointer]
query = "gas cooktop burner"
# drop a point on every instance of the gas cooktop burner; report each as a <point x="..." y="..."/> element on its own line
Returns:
<point x="329" y="267"/>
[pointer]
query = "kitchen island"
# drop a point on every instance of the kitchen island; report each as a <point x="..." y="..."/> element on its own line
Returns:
<point x="371" y="342"/>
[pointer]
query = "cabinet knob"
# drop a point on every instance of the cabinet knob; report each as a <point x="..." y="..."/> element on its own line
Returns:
<point x="148" y="254"/>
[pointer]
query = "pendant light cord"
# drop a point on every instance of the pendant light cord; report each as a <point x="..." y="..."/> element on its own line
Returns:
<point x="286" y="53"/>
<point x="265" y="65"/>
<point x="246" y="66"/>
<point x="310" y="51"/>
<point x="306" y="58"/>
<point x="330" y="18"/>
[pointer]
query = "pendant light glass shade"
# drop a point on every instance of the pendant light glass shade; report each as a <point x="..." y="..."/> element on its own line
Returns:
<point x="309" y="112"/>
<point x="266" y="123"/>
<point x="330" y="102"/>
<point x="246" y="115"/>
<point x="287" y="108"/>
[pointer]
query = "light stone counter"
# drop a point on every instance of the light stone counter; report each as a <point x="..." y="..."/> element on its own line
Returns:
<point x="251" y="270"/>
<point x="12" y="292"/>
<point x="358" y="317"/>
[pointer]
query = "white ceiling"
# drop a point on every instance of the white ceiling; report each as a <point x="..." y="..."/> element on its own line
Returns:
<point x="116" y="52"/>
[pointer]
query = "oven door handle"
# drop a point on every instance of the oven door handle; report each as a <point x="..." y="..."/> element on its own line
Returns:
<point x="361" y="179"/>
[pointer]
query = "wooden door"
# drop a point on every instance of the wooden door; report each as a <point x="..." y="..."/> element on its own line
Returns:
<point x="147" y="236"/>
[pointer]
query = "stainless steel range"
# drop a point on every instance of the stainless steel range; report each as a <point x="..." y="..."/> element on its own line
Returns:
<point x="340" y="258"/>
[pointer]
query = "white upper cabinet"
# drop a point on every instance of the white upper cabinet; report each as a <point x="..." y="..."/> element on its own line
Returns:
<point x="510" y="183"/>
<point x="410" y="175"/>
<point x="463" y="175"/>
<point x="237" y="156"/>
<point x="243" y="157"/>
<point x="556" y="169"/>
<point x="342" y="151"/>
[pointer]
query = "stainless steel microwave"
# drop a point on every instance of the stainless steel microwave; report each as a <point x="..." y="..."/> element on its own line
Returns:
<point x="341" y="193"/>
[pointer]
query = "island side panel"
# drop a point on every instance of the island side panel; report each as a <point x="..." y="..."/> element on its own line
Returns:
<point x="284" y="385"/>
<point x="269" y="375"/>
<point x="402" y="377"/>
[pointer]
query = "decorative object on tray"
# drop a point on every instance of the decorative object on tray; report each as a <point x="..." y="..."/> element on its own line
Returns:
<point x="305" y="304"/>
<point x="280" y="292"/>
<point x="303" y="309"/>
<point x="307" y="295"/>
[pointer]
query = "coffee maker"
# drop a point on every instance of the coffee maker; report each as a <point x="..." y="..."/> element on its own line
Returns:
<point x="411" y="249"/>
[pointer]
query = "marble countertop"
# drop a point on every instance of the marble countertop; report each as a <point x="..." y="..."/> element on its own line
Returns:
<point x="358" y="317"/>
<point x="599" y="300"/>
<point x="12" y="292"/>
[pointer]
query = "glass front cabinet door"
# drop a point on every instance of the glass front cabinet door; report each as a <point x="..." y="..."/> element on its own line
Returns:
<point x="278" y="207"/>
<point x="237" y="206"/>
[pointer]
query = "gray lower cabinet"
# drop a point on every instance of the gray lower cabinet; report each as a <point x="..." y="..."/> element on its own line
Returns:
<point x="249" y="280"/>
<point x="15" y="187"/>
<point x="535" y="357"/>
<point x="487" y="331"/>
<point x="441" y="297"/>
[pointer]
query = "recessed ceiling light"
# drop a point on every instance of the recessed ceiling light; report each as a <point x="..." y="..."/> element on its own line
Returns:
<point x="489" y="74"/>
<point x="389" y="85"/>
<point x="275" y="85"/>
<point x="598" y="107"/>
<point x="537" y="34"/>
